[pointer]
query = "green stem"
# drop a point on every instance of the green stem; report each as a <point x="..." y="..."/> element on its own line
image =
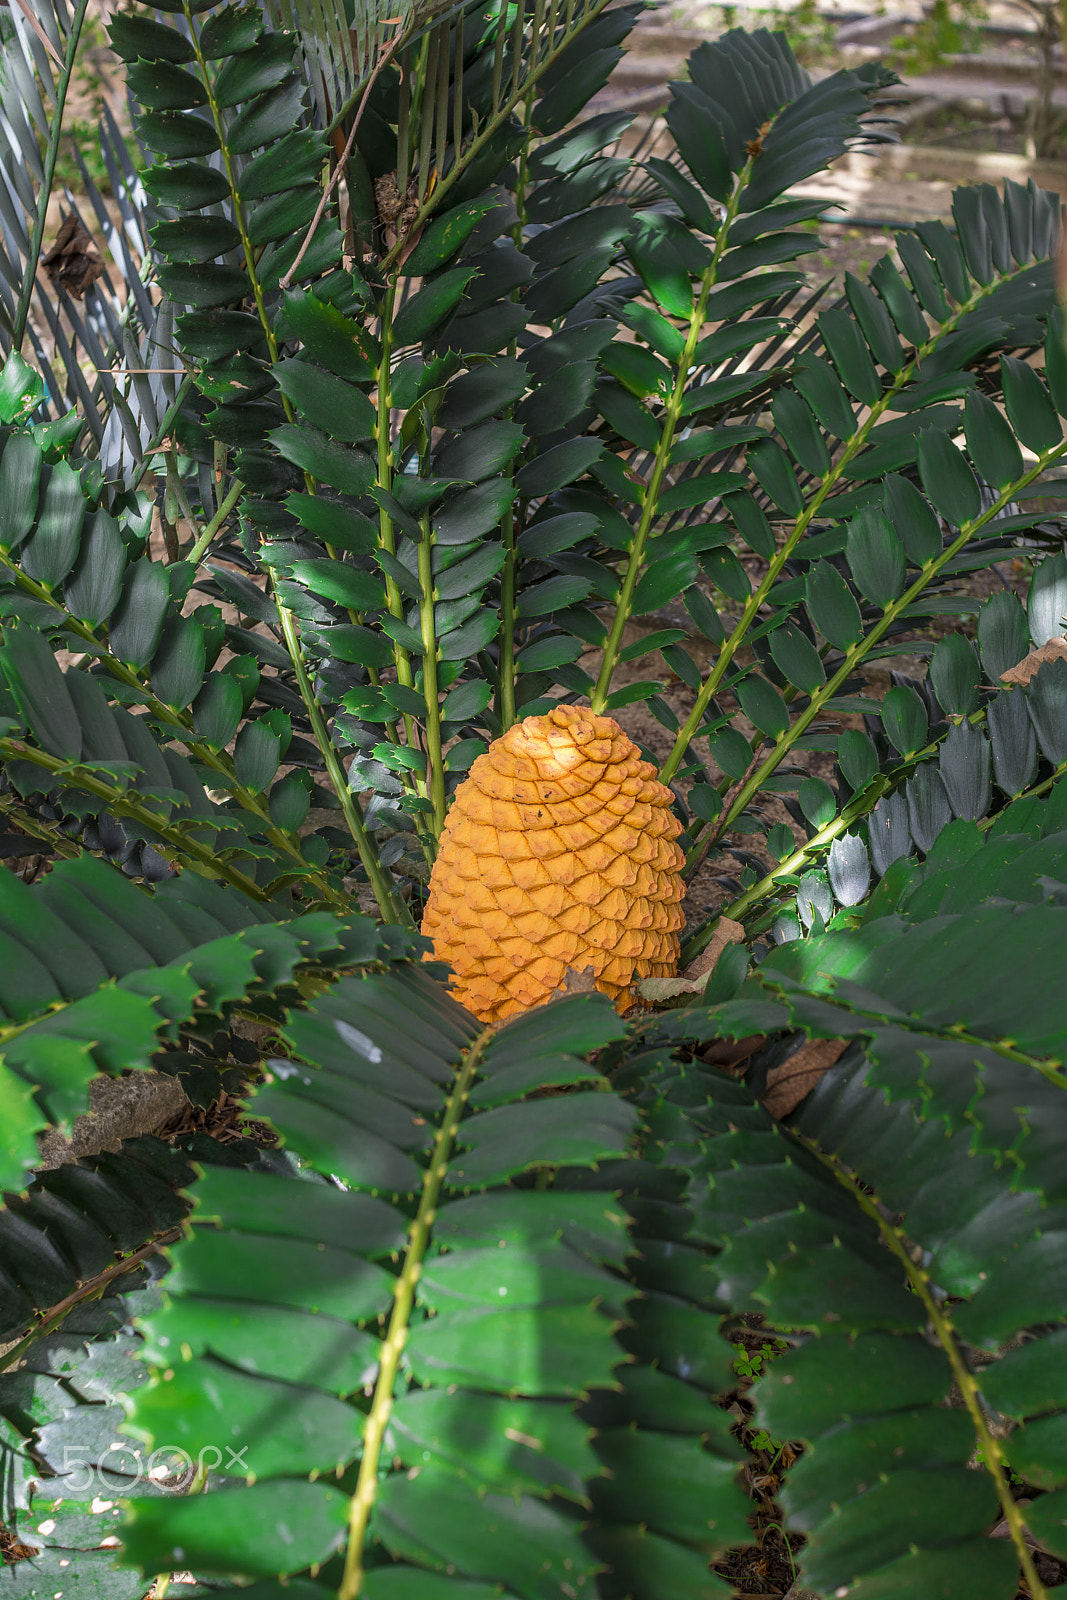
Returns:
<point x="855" y="652"/>
<point x="155" y="443"/>
<point x="1050" y="1067"/>
<point x="219" y="454"/>
<point x="852" y="448"/>
<point x="235" y="198"/>
<point x="391" y="906"/>
<point x="435" y="761"/>
<point x="672" y="415"/>
<point x="387" y="534"/>
<point x="21" y="817"/>
<point x="498" y="59"/>
<point x="394" y="599"/>
<point x="512" y="520"/>
<point x="177" y="846"/>
<point x="175" y="491"/>
<point x="505" y="705"/>
<point x="85" y="1291"/>
<point x="51" y="156"/>
<point x="737" y="909"/>
<point x="403" y="1301"/>
<point x="1033" y="793"/>
<point x="860" y="806"/>
<point x="490" y="127"/>
<point x="199" y="549"/>
<point x="428" y="75"/>
<point x="240" y="221"/>
<point x="403" y="124"/>
<point x="939" y="1318"/>
<point x="180" y="723"/>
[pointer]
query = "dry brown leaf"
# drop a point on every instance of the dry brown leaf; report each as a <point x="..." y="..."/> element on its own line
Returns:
<point x="726" y="932"/>
<point x="665" y="991"/>
<point x="73" y="263"/>
<point x="574" y="982"/>
<point x="799" y="1073"/>
<point x="660" y="991"/>
<point x="1023" y="671"/>
<point x="396" y="212"/>
<point x="728" y="1052"/>
<point x="1003" y="1531"/>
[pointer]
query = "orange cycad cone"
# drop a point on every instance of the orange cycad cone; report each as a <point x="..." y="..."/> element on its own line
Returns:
<point x="559" y="852"/>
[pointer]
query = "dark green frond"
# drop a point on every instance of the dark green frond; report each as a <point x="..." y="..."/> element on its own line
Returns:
<point x="100" y="975"/>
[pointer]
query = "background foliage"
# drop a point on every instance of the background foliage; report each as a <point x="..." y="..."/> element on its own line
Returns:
<point x="474" y="400"/>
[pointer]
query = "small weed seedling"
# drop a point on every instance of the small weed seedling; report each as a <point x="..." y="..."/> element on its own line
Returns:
<point x="750" y="1363"/>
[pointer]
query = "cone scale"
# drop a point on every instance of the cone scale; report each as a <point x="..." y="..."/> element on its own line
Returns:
<point x="559" y="852"/>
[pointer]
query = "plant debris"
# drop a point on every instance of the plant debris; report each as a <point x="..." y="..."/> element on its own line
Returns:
<point x="73" y="264"/>
<point x="788" y="1084"/>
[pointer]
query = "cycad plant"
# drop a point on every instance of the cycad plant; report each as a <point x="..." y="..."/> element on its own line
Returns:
<point x="473" y="409"/>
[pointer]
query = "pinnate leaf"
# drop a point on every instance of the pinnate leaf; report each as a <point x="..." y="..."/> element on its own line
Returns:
<point x="832" y="605"/>
<point x="875" y="557"/>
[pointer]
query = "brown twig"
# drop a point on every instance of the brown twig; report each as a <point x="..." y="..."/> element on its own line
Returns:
<point x="86" y="1291"/>
<point x="383" y="60"/>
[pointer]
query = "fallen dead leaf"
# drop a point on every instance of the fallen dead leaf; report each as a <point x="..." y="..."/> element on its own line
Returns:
<point x="11" y="1550"/>
<point x="799" y="1073"/>
<point x="73" y="263"/>
<point x="1023" y="671"/>
<point x="728" y="1052"/>
<point x="667" y="991"/>
<point x="726" y="932"/>
<point x="1003" y="1531"/>
<point x="396" y="213"/>
<point x="661" y="991"/>
<point x="574" y="982"/>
